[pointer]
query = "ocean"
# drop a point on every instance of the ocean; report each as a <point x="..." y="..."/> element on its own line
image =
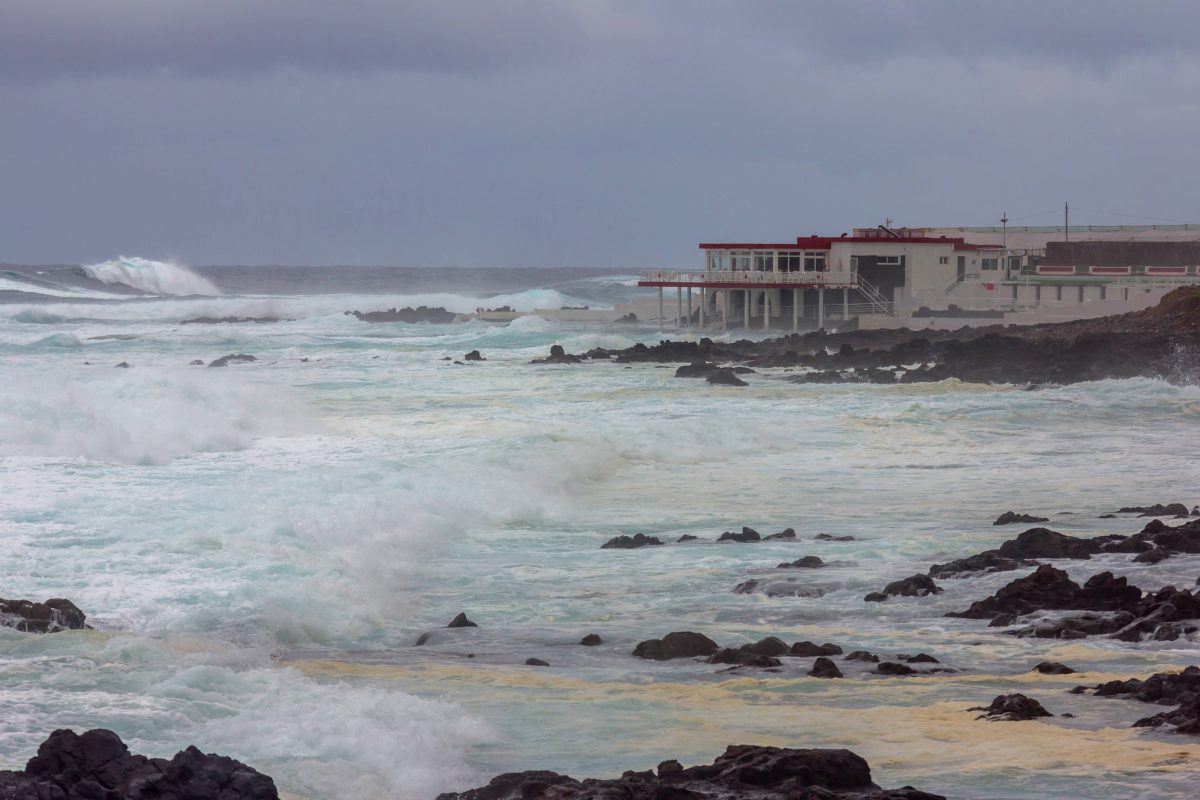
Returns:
<point x="260" y="547"/>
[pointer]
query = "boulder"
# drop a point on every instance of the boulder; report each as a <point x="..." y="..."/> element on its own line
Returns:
<point x="536" y="662"/>
<point x="461" y="621"/>
<point x="747" y="535"/>
<point x="980" y="563"/>
<point x="196" y="362"/>
<point x="825" y="668"/>
<point x="1053" y="668"/>
<point x="807" y="562"/>
<point x="97" y="765"/>
<point x="558" y="356"/>
<point x="591" y="640"/>
<point x="743" y="658"/>
<point x="679" y="644"/>
<point x="1156" y="510"/>
<point x="826" y="537"/>
<point x="787" y="534"/>
<point x="56" y="614"/>
<point x="894" y="668"/>
<point x="770" y="646"/>
<point x="810" y="649"/>
<point x="474" y="355"/>
<point x="697" y="369"/>
<point x="919" y="658"/>
<point x="1012" y="707"/>
<point x="1011" y="517"/>
<point x="1045" y="543"/>
<point x="725" y="377"/>
<point x="631" y="542"/>
<point x="1050" y="588"/>
<point x="863" y="655"/>
<point x="912" y="586"/>
<point x="783" y="587"/>
<point x="687" y="537"/>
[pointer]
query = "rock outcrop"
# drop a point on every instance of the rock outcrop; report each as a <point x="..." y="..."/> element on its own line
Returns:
<point x="679" y="644"/>
<point x="419" y="314"/>
<point x="913" y="586"/>
<point x="1012" y="517"/>
<point x="56" y="614"/>
<point x="631" y="542"/>
<point x="97" y="765"/>
<point x="742" y="771"/>
<point x="232" y="358"/>
<point x="1012" y="707"/>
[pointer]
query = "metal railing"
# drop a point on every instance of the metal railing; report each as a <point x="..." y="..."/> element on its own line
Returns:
<point x="836" y="279"/>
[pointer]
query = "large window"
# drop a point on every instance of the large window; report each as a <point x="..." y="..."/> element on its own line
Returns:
<point x="889" y="261"/>
<point x="989" y="263"/>
<point x="764" y="261"/>
<point x="718" y="261"/>
<point x="814" y="261"/>
<point x="790" y="262"/>
<point x="740" y="261"/>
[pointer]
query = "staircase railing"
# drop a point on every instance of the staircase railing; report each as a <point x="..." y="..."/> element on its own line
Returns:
<point x="875" y="297"/>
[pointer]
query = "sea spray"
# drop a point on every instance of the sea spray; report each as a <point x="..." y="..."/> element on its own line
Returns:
<point x="151" y="277"/>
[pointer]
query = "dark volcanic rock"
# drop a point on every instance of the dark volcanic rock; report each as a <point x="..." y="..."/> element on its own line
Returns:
<point x="232" y="358"/>
<point x="770" y="646"/>
<point x="96" y="765"/>
<point x="1053" y="668"/>
<point x="893" y="668"/>
<point x="913" y="586"/>
<point x="536" y="662"/>
<point x="196" y="362"/>
<point x="825" y="668"/>
<point x="1186" y="718"/>
<point x="1045" y="543"/>
<point x="1050" y="588"/>
<point x="782" y="587"/>
<point x="230" y="320"/>
<point x="474" y="355"/>
<point x="988" y="561"/>
<point x="1012" y="707"/>
<point x="591" y="640"/>
<point x="787" y="535"/>
<point x="725" y="377"/>
<point x="418" y="314"/>
<point x="630" y="542"/>
<point x="1011" y="517"/>
<point x="807" y="562"/>
<point x="747" y="535"/>
<point x="1156" y="510"/>
<point x="810" y="649"/>
<point x="56" y="614"/>
<point x="557" y="356"/>
<point x="680" y="644"/>
<point x="825" y="537"/>
<point x="697" y="369"/>
<point x="461" y="621"/>
<point x="1165" y="688"/>
<point x="919" y="658"/>
<point x="687" y="537"/>
<point x="742" y="771"/>
<point x="743" y="658"/>
<point x="863" y="655"/>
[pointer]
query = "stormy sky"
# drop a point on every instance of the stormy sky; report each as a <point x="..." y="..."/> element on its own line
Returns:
<point x="588" y="133"/>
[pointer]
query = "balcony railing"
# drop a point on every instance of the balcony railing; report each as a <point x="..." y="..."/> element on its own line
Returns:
<point x="739" y="277"/>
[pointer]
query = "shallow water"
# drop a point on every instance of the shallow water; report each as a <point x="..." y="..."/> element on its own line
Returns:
<point x="260" y="546"/>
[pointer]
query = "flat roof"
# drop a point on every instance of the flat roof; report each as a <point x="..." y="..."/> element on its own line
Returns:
<point x="825" y="242"/>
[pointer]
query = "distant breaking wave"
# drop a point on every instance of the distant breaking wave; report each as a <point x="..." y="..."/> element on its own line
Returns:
<point x="151" y="277"/>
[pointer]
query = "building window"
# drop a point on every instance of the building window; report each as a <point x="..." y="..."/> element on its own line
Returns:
<point x="944" y="259"/>
<point x="814" y="262"/>
<point x="718" y="262"/>
<point x="989" y="263"/>
<point x="790" y="262"/>
<point x="764" y="262"/>
<point x="1014" y="262"/>
<point x="888" y="261"/>
<point x="741" y="262"/>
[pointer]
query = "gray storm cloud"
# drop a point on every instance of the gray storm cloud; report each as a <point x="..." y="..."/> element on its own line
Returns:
<point x="589" y="133"/>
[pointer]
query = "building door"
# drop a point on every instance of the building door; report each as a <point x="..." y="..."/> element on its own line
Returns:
<point x="962" y="269"/>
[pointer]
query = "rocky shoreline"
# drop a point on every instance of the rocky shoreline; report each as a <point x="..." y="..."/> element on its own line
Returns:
<point x="1162" y="342"/>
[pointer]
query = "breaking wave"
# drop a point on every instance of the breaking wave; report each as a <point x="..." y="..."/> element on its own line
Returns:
<point x="151" y="277"/>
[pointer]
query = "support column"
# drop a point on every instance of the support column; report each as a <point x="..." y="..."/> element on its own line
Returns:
<point x="678" y="306"/>
<point x="746" y="304"/>
<point x="845" y="304"/>
<point x="766" y="309"/>
<point x="703" y="302"/>
<point x="725" y="311"/>
<point x="689" y="310"/>
<point x="661" y="316"/>
<point x="797" y="300"/>
<point x="820" y="308"/>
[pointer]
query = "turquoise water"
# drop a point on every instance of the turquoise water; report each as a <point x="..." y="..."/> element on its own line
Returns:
<point x="259" y="547"/>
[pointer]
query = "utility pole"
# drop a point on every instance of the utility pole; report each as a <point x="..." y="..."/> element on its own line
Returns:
<point x="1004" y="242"/>
<point x="1067" y="220"/>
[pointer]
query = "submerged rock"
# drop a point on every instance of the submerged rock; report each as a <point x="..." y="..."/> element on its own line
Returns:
<point x="56" y="614"/>
<point x="747" y="535"/>
<point x="1011" y="517"/>
<point x="536" y="662"/>
<point x="461" y="621"/>
<point x="742" y="771"/>
<point x="863" y="655"/>
<point x="811" y="649"/>
<point x="825" y="537"/>
<point x="894" y="668"/>
<point x="1156" y="510"/>
<point x="1012" y="707"/>
<point x="725" y="377"/>
<point x="787" y="534"/>
<point x="232" y="358"/>
<point x="687" y="537"/>
<point x="558" y="356"/>
<point x="782" y="587"/>
<point x="679" y="644"/>
<point x="807" y="562"/>
<point x="1053" y="668"/>
<point x="474" y="356"/>
<point x="96" y="765"/>
<point x="743" y="658"/>
<point x="913" y="586"/>
<point x="591" y="640"/>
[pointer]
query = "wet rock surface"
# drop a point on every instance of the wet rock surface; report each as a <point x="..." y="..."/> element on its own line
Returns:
<point x="1166" y="688"/>
<point x="558" y="356"/>
<point x="742" y="771"/>
<point x="912" y="586"/>
<point x="1012" y="517"/>
<point x="810" y="649"/>
<point x="806" y="562"/>
<point x="97" y="765"/>
<point x="29" y="616"/>
<point x="231" y="320"/>
<point x="825" y="668"/>
<point x="1053" y="668"/>
<point x="679" y="644"/>
<point x="631" y="542"/>
<point x="232" y="358"/>
<point x="1012" y="707"/>
<point x="746" y="535"/>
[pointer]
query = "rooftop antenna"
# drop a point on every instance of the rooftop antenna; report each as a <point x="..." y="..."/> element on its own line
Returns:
<point x="1004" y="230"/>
<point x="1067" y="220"/>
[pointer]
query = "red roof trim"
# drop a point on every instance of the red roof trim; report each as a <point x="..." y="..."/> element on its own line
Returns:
<point x="825" y="242"/>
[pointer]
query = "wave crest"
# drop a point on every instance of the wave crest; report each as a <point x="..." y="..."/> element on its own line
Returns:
<point x="151" y="277"/>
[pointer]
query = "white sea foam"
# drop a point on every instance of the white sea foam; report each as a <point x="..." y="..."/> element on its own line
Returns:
<point x="137" y="416"/>
<point x="150" y="276"/>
